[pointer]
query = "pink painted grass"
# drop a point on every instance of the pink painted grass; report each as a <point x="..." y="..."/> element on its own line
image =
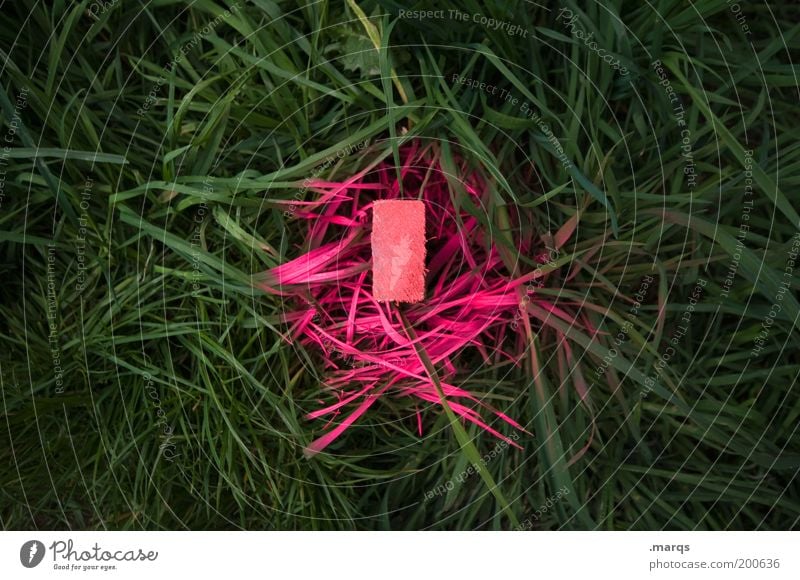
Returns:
<point x="471" y="301"/>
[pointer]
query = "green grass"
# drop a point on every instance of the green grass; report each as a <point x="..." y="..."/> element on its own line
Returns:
<point x="178" y="405"/>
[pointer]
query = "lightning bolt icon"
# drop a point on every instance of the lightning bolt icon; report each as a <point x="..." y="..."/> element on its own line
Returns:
<point x="34" y="549"/>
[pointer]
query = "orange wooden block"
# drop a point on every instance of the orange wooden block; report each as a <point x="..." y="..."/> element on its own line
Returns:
<point x="398" y="250"/>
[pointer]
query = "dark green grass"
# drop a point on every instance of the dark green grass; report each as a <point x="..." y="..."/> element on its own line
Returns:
<point x="187" y="411"/>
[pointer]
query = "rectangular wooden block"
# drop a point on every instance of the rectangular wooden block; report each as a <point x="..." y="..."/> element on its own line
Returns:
<point x="398" y="250"/>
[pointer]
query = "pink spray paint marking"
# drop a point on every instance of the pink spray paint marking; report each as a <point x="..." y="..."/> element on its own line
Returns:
<point x="473" y="303"/>
<point x="398" y="250"/>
